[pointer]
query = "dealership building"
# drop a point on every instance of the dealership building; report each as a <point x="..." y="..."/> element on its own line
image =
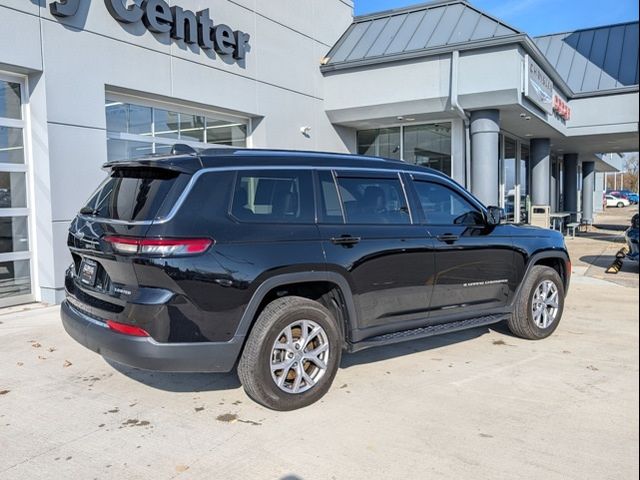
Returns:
<point x="520" y="121"/>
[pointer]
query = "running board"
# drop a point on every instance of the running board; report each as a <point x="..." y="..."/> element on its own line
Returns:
<point x="430" y="331"/>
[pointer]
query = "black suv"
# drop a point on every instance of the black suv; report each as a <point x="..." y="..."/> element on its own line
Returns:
<point x="281" y="260"/>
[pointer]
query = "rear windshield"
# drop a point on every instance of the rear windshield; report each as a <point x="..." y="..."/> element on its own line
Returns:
<point x="133" y="194"/>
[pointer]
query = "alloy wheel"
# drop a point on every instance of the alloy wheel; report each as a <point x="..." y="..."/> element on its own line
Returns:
<point x="545" y="304"/>
<point x="299" y="356"/>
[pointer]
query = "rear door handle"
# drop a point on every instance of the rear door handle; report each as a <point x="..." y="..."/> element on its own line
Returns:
<point x="448" y="238"/>
<point x="345" y="240"/>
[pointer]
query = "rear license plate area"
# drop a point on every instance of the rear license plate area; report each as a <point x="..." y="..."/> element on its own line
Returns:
<point x="88" y="272"/>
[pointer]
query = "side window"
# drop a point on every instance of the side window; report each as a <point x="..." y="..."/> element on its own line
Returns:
<point x="373" y="201"/>
<point x="444" y="206"/>
<point x="330" y="209"/>
<point x="273" y="196"/>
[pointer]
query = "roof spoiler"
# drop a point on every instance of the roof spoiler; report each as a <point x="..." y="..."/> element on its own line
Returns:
<point x="183" y="159"/>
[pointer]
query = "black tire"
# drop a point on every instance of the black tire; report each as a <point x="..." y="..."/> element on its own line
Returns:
<point x="522" y="323"/>
<point x="620" y="204"/>
<point x="254" y="367"/>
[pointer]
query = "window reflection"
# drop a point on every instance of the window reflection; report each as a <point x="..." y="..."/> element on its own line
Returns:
<point x="382" y="142"/>
<point x="429" y="146"/>
<point x="10" y="101"/>
<point x="509" y="178"/>
<point x="425" y="145"/>
<point x="136" y="130"/>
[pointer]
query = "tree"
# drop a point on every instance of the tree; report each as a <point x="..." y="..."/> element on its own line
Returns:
<point x="631" y="171"/>
<point x="627" y="179"/>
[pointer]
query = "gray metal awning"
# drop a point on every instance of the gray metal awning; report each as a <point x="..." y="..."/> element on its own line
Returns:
<point x="594" y="60"/>
<point x="426" y="27"/>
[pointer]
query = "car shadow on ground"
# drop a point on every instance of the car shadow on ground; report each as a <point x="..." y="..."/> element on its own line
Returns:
<point x="383" y="353"/>
<point x="600" y="261"/>
<point x="206" y="382"/>
<point x="602" y="236"/>
<point x="180" y="382"/>
<point x="611" y="227"/>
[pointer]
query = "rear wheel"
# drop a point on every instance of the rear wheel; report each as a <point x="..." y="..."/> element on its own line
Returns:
<point x="539" y="306"/>
<point x="292" y="354"/>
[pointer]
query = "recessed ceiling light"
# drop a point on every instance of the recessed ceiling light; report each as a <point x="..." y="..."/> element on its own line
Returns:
<point x="400" y="118"/>
<point x="527" y="118"/>
<point x="529" y="135"/>
<point x="522" y="115"/>
<point x="410" y="119"/>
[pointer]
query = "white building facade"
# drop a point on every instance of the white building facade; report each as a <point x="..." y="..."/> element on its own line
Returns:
<point x="441" y="84"/>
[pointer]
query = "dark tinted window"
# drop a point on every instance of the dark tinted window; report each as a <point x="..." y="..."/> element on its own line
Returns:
<point x="330" y="210"/>
<point x="443" y="206"/>
<point x="132" y="194"/>
<point x="373" y="201"/>
<point x="274" y="196"/>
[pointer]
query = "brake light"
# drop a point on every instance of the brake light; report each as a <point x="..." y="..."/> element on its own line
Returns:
<point x="126" y="329"/>
<point x="161" y="247"/>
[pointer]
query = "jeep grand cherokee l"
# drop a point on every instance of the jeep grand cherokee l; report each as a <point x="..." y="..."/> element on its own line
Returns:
<point x="281" y="261"/>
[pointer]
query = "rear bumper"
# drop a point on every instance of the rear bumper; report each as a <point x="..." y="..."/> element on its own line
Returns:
<point x="144" y="352"/>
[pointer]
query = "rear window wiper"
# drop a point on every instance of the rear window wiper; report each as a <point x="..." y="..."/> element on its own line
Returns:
<point x="88" y="211"/>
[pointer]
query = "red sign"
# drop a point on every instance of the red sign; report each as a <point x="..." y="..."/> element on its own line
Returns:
<point x="561" y="108"/>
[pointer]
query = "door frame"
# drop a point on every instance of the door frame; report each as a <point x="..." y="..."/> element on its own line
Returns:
<point x="501" y="173"/>
<point x="27" y="211"/>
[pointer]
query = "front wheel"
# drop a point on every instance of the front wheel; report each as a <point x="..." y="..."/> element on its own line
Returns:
<point x="540" y="304"/>
<point x="292" y="354"/>
<point x="620" y="204"/>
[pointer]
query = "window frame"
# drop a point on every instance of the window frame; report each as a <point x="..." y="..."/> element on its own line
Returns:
<point x="27" y="211"/>
<point x="402" y="126"/>
<point x="152" y="139"/>
<point x="365" y="174"/>
<point x="314" y="210"/>
<point x="418" y="204"/>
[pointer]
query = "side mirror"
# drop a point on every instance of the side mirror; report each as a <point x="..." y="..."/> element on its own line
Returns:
<point x="495" y="215"/>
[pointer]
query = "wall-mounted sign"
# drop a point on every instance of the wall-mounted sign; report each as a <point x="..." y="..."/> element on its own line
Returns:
<point x="158" y="17"/>
<point x="561" y="108"/>
<point x="538" y="87"/>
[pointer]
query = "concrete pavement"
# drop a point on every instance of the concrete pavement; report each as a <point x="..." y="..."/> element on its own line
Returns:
<point x="477" y="404"/>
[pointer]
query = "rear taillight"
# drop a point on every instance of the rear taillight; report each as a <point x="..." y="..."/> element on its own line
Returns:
<point x="159" y="247"/>
<point x="125" y="329"/>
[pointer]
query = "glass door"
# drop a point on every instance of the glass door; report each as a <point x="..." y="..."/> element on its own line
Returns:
<point x="523" y="188"/>
<point x="515" y="179"/>
<point x="15" y="257"/>
<point x="509" y="201"/>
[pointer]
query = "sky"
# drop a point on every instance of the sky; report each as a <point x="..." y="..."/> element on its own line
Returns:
<point x="536" y="17"/>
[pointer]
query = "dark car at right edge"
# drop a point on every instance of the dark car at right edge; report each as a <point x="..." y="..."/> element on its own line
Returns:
<point x="277" y="262"/>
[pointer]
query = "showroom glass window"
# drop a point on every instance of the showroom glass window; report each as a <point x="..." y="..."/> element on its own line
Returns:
<point x="381" y="142"/>
<point x="135" y="130"/>
<point x="15" y="263"/>
<point x="426" y="145"/>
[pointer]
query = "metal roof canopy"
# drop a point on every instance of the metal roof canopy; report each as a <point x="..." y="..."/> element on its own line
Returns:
<point x="580" y="63"/>
<point x="416" y="28"/>
<point x="596" y="59"/>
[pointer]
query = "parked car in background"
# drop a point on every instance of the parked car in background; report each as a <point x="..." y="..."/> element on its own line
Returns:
<point x="628" y="194"/>
<point x="631" y="235"/>
<point x="619" y="202"/>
